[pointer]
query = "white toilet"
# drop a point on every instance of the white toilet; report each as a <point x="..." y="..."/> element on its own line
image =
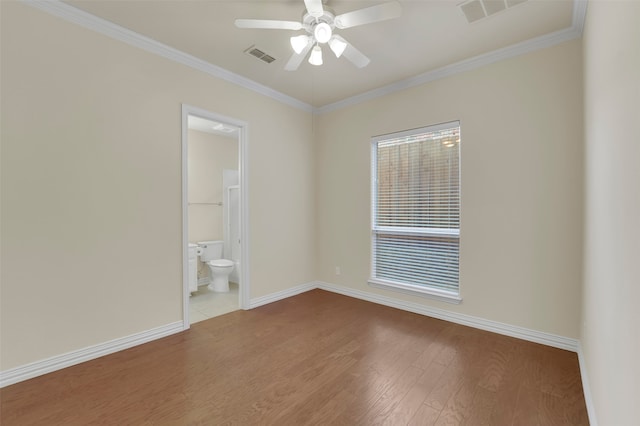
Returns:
<point x="219" y="268"/>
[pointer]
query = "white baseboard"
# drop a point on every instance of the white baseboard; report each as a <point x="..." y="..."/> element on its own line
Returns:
<point x="38" y="368"/>
<point x="203" y="281"/>
<point x="586" y="389"/>
<point x="274" y="297"/>
<point x="468" y="320"/>
<point x="548" y="339"/>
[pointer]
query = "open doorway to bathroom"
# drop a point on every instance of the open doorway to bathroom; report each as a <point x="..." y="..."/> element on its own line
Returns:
<point x="214" y="211"/>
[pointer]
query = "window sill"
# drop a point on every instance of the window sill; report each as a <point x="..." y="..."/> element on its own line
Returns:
<point x="414" y="290"/>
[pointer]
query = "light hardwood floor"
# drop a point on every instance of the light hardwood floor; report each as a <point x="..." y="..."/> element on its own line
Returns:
<point x="316" y="358"/>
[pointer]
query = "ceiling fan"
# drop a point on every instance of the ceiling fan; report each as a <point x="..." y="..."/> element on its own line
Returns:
<point x="320" y="23"/>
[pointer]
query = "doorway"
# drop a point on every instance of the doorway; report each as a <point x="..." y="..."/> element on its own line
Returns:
<point x="214" y="211"/>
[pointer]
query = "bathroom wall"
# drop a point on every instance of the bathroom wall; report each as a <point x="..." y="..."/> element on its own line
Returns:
<point x="610" y="334"/>
<point x="91" y="209"/>
<point x="208" y="155"/>
<point x="521" y="169"/>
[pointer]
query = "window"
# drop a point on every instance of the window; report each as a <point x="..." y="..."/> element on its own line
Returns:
<point x="416" y="211"/>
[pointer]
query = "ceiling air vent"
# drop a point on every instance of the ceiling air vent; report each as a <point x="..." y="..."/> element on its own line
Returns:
<point x="257" y="53"/>
<point x="475" y="10"/>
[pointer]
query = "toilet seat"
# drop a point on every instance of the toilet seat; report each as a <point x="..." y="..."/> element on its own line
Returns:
<point x="221" y="263"/>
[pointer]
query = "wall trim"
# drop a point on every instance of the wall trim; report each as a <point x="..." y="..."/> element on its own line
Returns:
<point x="274" y="297"/>
<point x="38" y="368"/>
<point x="58" y="362"/>
<point x="468" y="320"/>
<point x="512" y="51"/>
<point x="94" y="23"/>
<point x="527" y="46"/>
<point x="586" y="388"/>
<point x="109" y="29"/>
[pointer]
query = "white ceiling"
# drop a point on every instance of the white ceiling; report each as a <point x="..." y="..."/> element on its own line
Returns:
<point x="429" y="35"/>
<point x="213" y="127"/>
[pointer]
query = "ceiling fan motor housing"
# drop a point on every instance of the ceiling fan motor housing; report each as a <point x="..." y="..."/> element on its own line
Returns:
<point x="321" y="28"/>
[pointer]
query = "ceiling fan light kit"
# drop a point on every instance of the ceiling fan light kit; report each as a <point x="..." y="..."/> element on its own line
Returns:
<point x="322" y="32"/>
<point x="298" y="43"/>
<point x="316" y="56"/>
<point x="320" y="25"/>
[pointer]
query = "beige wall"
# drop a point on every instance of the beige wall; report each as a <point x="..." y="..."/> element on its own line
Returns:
<point x="208" y="156"/>
<point x="91" y="186"/>
<point x="521" y="156"/>
<point x="611" y="317"/>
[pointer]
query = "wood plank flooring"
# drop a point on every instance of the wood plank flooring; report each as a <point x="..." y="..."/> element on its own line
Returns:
<point x="314" y="359"/>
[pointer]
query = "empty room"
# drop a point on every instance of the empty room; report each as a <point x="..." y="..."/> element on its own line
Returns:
<point x="292" y="212"/>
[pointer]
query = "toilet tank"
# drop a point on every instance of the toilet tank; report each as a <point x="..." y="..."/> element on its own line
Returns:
<point x="211" y="250"/>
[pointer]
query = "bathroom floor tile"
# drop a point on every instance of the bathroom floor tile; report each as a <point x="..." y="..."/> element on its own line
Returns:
<point x="205" y="304"/>
<point x="196" y="316"/>
<point x="215" y="311"/>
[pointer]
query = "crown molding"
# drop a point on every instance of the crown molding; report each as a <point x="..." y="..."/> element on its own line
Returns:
<point x="102" y="26"/>
<point x="92" y="22"/>
<point x="528" y="46"/>
<point x="579" y="15"/>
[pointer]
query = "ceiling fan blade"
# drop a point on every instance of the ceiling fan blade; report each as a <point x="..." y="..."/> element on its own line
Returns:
<point x="268" y="24"/>
<point x="354" y="55"/>
<point x="314" y="7"/>
<point x="297" y="58"/>
<point x="368" y="15"/>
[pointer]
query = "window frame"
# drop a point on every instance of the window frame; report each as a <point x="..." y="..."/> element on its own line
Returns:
<point x="403" y="287"/>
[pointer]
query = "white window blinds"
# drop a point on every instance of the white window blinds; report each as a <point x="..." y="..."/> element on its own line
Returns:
<point x="416" y="208"/>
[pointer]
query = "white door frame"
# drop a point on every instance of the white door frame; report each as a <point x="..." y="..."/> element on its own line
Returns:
<point x="243" y="140"/>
